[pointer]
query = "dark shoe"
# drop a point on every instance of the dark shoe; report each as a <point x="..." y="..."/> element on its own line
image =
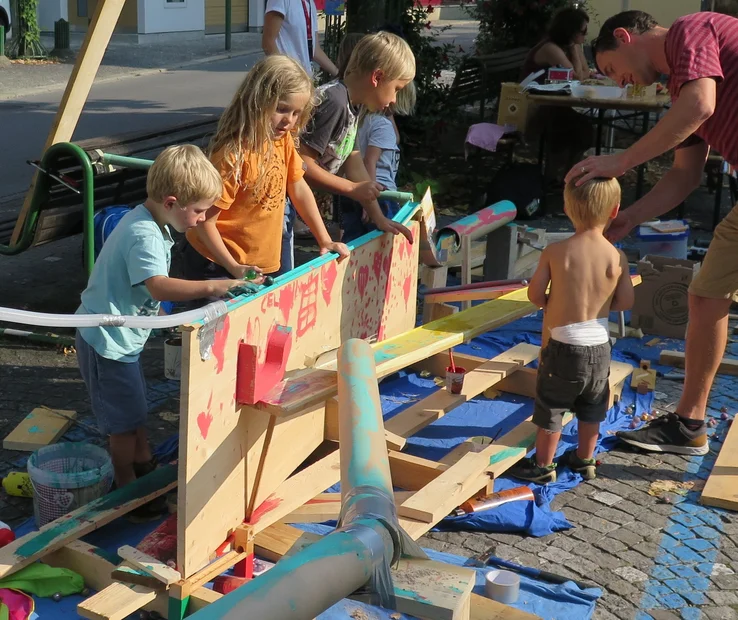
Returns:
<point x="586" y="468"/>
<point x="667" y="433"/>
<point x="142" y="469"/>
<point x="529" y="470"/>
<point x="154" y="509"/>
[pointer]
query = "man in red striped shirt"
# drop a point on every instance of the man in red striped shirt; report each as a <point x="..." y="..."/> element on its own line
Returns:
<point x="699" y="53"/>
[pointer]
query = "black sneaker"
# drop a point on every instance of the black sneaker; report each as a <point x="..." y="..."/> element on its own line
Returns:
<point x="530" y="470"/>
<point x="586" y="468"/>
<point x="667" y="433"/>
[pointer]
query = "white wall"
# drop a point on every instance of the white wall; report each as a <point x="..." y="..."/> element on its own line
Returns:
<point x="158" y="16"/>
<point x="50" y="11"/>
<point x="256" y="15"/>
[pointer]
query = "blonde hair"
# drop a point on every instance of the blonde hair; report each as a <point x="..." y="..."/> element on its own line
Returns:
<point x="406" y="98"/>
<point x="245" y="126"/>
<point x="348" y="43"/>
<point x="385" y="51"/>
<point x="183" y="172"/>
<point x="591" y="203"/>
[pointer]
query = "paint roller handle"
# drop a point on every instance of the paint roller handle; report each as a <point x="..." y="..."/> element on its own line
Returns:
<point x="536" y="573"/>
<point x="396" y="196"/>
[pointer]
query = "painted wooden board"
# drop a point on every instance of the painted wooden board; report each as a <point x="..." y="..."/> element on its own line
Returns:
<point x="41" y="427"/>
<point x="116" y="602"/>
<point x="367" y="295"/>
<point x="721" y="488"/>
<point x="393" y="354"/>
<point x="491" y="292"/>
<point x="421" y="414"/>
<point x="143" y="561"/>
<point x="52" y="536"/>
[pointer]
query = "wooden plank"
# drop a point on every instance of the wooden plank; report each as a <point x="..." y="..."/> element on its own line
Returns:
<point x="421" y="414"/>
<point x="454" y="486"/>
<point x="297" y="393"/>
<point x="52" y="536"/>
<point x="116" y="602"/>
<point x="41" y="427"/>
<point x="676" y="358"/>
<point x="134" y="576"/>
<point x="394" y="442"/>
<point x="78" y="88"/>
<point x="295" y="491"/>
<point x="143" y="561"/>
<point x="94" y="564"/>
<point x="721" y="488"/>
<point x="477" y="294"/>
<point x="327" y="507"/>
<point x="482" y="608"/>
<point x="522" y="382"/>
<point x="413" y="472"/>
<point x="436" y="364"/>
<point x="221" y="444"/>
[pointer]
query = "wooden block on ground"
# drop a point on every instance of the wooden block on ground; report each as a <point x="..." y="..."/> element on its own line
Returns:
<point x="41" y="427"/>
<point x="644" y="378"/>
<point x="149" y="565"/>
<point x="457" y="484"/>
<point x="721" y="488"/>
<point x="676" y="358"/>
<point x="482" y="608"/>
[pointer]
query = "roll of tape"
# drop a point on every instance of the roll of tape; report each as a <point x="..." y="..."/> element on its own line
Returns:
<point x="502" y="586"/>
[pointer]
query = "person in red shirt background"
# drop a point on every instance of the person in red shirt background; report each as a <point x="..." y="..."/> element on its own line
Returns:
<point x="699" y="54"/>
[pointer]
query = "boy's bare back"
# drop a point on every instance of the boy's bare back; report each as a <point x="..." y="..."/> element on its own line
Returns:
<point x="584" y="272"/>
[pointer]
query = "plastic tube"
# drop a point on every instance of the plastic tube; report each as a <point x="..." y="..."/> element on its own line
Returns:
<point x="41" y="319"/>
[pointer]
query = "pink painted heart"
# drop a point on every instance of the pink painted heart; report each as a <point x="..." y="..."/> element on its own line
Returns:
<point x="363" y="279"/>
<point x="203" y="422"/>
<point x="330" y="271"/>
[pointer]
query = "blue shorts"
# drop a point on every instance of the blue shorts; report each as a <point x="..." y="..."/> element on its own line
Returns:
<point x="117" y="390"/>
<point x="351" y="223"/>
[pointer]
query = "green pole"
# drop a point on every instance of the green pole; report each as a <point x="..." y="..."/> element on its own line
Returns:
<point x="2" y="41"/>
<point x="228" y="25"/>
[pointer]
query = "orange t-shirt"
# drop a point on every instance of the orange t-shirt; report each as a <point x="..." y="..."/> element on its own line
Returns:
<point x="250" y="221"/>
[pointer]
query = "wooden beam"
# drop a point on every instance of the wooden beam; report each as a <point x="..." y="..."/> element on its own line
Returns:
<point x="52" y="536"/>
<point x="421" y="414"/>
<point x="327" y="507"/>
<point x="78" y="88"/>
<point x="143" y="561"/>
<point x="720" y="488"/>
<point x="330" y="433"/>
<point x="41" y="427"/>
<point x="436" y="364"/>
<point x="116" y="602"/>
<point x="477" y="294"/>
<point x="676" y="358"/>
<point x="413" y="472"/>
<point x="94" y="564"/>
<point x="303" y="389"/>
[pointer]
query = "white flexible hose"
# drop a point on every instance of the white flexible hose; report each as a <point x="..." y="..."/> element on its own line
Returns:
<point x="42" y="319"/>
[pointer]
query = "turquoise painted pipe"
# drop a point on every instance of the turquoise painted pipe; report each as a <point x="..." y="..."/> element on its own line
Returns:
<point x="483" y="222"/>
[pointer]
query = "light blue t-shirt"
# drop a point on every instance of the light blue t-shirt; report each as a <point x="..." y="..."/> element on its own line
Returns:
<point x="377" y="130"/>
<point x="136" y="250"/>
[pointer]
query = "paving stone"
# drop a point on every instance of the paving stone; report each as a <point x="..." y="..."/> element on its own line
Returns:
<point x="610" y="545"/>
<point x="618" y="606"/>
<point x="621" y="587"/>
<point x="723" y="598"/>
<point x="599" y="524"/>
<point x="626" y="536"/>
<point x="556" y="555"/>
<point x="584" y="567"/>
<point x="722" y="569"/>
<point x="726" y="582"/>
<point x="679" y="531"/>
<point x="531" y="545"/>
<point x="662" y="572"/>
<point x="600" y="613"/>
<point x="699" y="544"/>
<point x="631" y="574"/>
<point x="585" y="535"/>
<point x="653" y="519"/>
<point x="636" y="560"/>
<point x="649" y="533"/>
<point x="707" y="532"/>
<point x="605" y="497"/>
<point x="662" y="614"/>
<point x="476" y="544"/>
<point x="694" y="598"/>
<point x="584" y="504"/>
<point x="720" y="613"/>
<point x="567" y="543"/>
<point x="576" y="516"/>
<point x="614" y="515"/>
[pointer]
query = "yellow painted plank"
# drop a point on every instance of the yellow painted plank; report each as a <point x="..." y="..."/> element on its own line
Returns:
<point x="41" y="427"/>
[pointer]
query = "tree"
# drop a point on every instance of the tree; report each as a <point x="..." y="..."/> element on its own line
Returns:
<point x="368" y="15"/>
<point x="27" y="35"/>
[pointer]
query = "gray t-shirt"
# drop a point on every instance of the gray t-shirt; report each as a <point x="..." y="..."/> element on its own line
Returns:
<point x="331" y="131"/>
<point x="377" y="130"/>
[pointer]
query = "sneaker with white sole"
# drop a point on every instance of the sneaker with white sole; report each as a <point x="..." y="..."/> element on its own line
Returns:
<point x="667" y="433"/>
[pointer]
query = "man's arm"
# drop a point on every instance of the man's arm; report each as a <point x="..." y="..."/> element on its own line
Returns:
<point x="624" y="295"/>
<point x="371" y="157"/>
<point x="540" y="281"/>
<point x="696" y="103"/>
<point x="323" y="61"/>
<point x="272" y="26"/>
<point x="683" y="178"/>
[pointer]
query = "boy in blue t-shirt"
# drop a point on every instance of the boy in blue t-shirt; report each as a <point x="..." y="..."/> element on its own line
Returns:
<point x="131" y="277"/>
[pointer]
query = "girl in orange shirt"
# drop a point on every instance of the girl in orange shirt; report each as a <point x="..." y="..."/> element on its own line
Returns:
<point x="254" y="151"/>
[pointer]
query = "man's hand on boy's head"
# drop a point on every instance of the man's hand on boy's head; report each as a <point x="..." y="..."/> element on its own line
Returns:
<point x="365" y="191"/>
<point x="388" y="225"/>
<point x="620" y="227"/>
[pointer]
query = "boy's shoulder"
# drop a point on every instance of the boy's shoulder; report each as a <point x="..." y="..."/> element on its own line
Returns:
<point x="331" y="97"/>
<point x="138" y="226"/>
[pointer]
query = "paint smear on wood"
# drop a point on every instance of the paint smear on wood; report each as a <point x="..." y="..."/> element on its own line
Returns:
<point x="204" y="420"/>
<point x="221" y="337"/>
<point x="269" y="504"/>
<point x="330" y="273"/>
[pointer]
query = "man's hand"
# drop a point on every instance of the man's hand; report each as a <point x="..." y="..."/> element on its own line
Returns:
<point x="606" y="166"/>
<point x="388" y="225"/>
<point x="365" y="191"/>
<point x="620" y="227"/>
<point x="339" y="248"/>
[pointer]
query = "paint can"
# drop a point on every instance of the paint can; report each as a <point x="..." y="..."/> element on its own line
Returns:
<point x="173" y="358"/>
<point x="455" y="380"/>
<point x="502" y="586"/>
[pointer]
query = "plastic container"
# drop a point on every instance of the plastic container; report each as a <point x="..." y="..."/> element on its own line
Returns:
<point x="173" y="358"/>
<point x="66" y="476"/>
<point x="673" y="245"/>
<point x="502" y="586"/>
<point x="455" y="380"/>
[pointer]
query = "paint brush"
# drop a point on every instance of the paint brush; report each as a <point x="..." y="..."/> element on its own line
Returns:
<point x="451" y="359"/>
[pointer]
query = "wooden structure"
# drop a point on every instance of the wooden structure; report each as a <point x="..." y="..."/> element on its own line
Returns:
<point x="720" y="488"/>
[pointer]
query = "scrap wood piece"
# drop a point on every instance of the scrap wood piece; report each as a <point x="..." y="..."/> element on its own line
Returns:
<point x="644" y="378"/>
<point x="721" y="485"/>
<point x="41" y="427"/>
<point x="302" y="389"/>
<point x="150" y="565"/>
<point x="676" y="358"/>
<point x="413" y="472"/>
<point x="421" y="414"/>
<point x="276" y="541"/>
<point x="132" y="575"/>
<point x="34" y="545"/>
<point x="116" y="602"/>
<point x="184" y="588"/>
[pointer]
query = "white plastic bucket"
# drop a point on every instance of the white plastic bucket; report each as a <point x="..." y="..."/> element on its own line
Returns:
<point x="173" y="358"/>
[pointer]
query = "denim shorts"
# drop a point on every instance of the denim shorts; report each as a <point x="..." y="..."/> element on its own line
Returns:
<point x="117" y="390"/>
<point x="352" y="225"/>
<point x="572" y="378"/>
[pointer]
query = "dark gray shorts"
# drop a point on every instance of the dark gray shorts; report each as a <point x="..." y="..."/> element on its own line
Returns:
<point x="117" y="390"/>
<point x="572" y="378"/>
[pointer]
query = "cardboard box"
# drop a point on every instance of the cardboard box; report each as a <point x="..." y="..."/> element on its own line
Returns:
<point x="661" y="304"/>
<point x="514" y="108"/>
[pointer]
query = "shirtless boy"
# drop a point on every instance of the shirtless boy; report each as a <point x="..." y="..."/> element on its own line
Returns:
<point x="588" y="278"/>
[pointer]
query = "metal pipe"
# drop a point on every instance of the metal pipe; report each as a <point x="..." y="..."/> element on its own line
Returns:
<point x="228" y="24"/>
<point x="126" y="162"/>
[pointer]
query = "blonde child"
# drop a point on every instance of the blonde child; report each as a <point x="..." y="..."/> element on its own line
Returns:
<point x="254" y="152"/>
<point x="131" y="277"/>
<point x="379" y="67"/>
<point x="588" y="278"/>
<point x="379" y="145"/>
